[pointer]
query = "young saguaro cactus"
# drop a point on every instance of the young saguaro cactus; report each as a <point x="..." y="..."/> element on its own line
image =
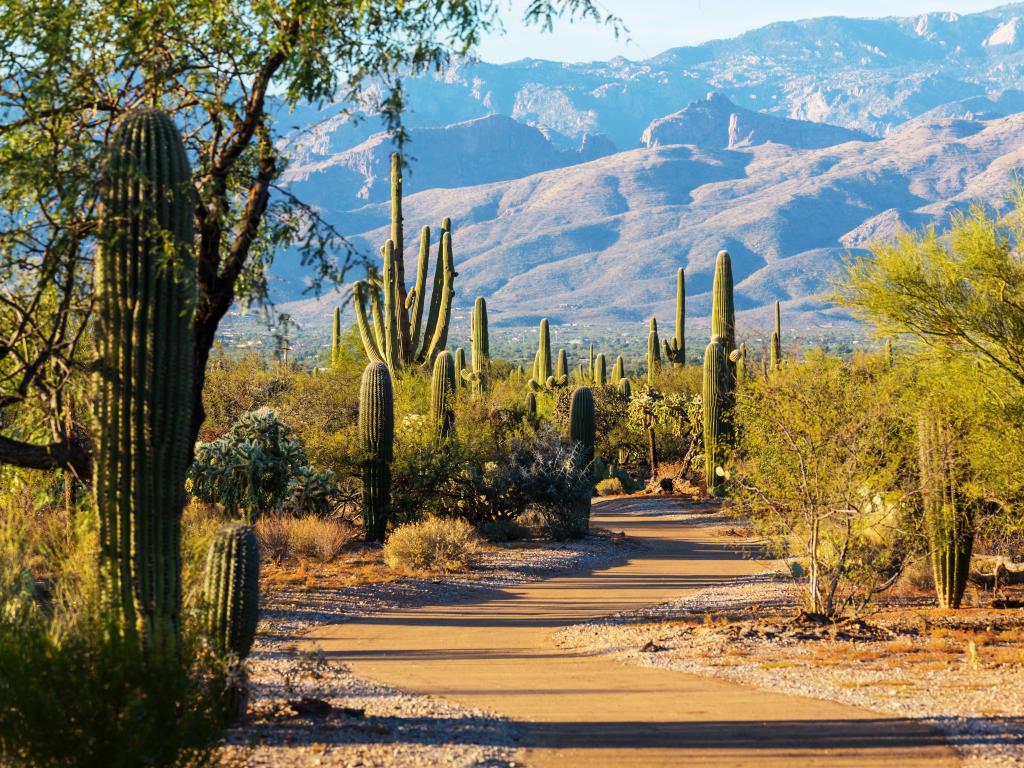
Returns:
<point x="738" y="357"/>
<point x="531" y="405"/>
<point x="562" y="368"/>
<point x="376" y="441"/>
<point x="675" y="352"/>
<point x="460" y="367"/>
<point x="481" y="347"/>
<point x="715" y="387"/>
<point x="336" y="337"/>
<point x="442" y="394"/>
<point x="231" y="589"/>
<point x="583" y="423"/>
<point x="543" y="377"/>
<point x="600" y="371"/>
<point x="653" y="353"/>
<point x="949" y="515"/>
<point x="145" y="294"/>
<point x="618" y="370"/>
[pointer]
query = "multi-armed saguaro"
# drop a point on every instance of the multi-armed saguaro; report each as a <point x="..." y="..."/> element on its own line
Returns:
<point x="398" y="334"/>
<point x="145" y="283"/>
<point x="675" y="352"/>
<point x="376" y="441"/>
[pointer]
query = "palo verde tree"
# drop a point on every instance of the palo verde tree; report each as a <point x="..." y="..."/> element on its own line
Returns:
<point x="227" y="73"/>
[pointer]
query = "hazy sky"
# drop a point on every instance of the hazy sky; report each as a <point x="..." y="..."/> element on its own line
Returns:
<point x="655" y="25"/>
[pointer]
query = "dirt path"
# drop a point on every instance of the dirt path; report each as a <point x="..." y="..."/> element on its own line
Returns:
<point x="496" y="653"/>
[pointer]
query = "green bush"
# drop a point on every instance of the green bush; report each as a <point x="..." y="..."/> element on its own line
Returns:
<point x="433" y="545"/>
<point x="610" y="487"/>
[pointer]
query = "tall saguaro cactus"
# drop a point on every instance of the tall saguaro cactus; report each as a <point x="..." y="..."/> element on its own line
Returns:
<point x="336" y="337"/>
<point x="583" y="433"/>
<point x="600" y="371"/>
<point x="562" y="368"/>
<point x="776" y="343"/>
<point x="442" y="394"/>
<point x="543" y="376"/>
<point x="723" y="308"/>
<point x="715" y="388"/>
<point x="460" y="367"/>
<point x="481" y="347"/>
<point x="145" y="286"/>
<point x="231" y="589"/>
<point x="376" y="441"/>
<point x="675" y="352"/>
<point x="653" y="353"/>
<point x="949" y="515"/>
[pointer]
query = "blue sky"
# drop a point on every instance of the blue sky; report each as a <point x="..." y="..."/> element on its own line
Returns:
<point x="659" y="24"/>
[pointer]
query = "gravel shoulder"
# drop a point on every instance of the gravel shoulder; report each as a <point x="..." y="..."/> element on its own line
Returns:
<point x="964" y="674"/>
<point x="305" y="710"/>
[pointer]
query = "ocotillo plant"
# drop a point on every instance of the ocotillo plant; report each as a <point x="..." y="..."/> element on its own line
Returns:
<point x="675" y="352"/>
<point x="653" y="353"/>
<point x="618" y="370"/>
<point x="543" y="377"/>
<point x="442" y="394"/>
<point x="481" y="347"/>
<point x="336" y="337"/>
<point x="460" y="366"/>
<point x="949" y="515"/>
<point x="145" y="295"/>
<point x="723" y="308"/>
<point x="716" y="384"/>
<point x="376" y="441"/>
<point x="600" y="373"/>
<point x="231" y="590"/>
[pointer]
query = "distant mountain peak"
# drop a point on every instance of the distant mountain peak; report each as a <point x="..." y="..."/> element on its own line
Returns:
<point x="717" y="123"/>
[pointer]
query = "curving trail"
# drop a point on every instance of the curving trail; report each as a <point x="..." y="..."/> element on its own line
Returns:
<point x="496" y="653"/>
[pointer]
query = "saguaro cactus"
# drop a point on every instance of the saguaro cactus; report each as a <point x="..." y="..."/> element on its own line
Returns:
<point x="145" y="293"/>
<point x="591" y="368"/>
<point x="675" y="352"/>
<point x="723" y="308"/>
<point x="949" y="515"/>
<point x="562" y="368"/>
<point x="376" y="441"/>
<point x="653" y="353"/>
<point x="460" y="366"/>
<point x="776" y="343"/>
<point x="583" y="433"/>
<point x="618" y="370"/>
<point x="531" y="405"/>
<point x="543" y="377"/>
<point x="231" y="589"/>
<point x="738" y="357"/>
<point x="600" y="371"/>
<point x="481" y="347"/>
<point x="716" y="383"/>
<point x="336" y="337"/>
<point x="625" y="389"/>
<point x="442" y="394"/>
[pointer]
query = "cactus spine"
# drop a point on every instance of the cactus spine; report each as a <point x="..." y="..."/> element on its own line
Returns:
<point x="481" y="347"/>
<point x="948" y="514"/>
<point x="716" y="383"/>
<point x="600" y="371"/>
<point x="376" y="441"/>
<point x="231" y="589"/>
<point x="653" y="353"/>
<point x="145" y="288"/>
<point x="675" y="352"/>
<point x="442" y="394"/>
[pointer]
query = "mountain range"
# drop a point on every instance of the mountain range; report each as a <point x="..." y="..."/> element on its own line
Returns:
<point x="577" y="189"/>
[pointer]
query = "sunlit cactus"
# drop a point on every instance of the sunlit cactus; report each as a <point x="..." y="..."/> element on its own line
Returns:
<point x="543" y="376"/>
<point x="477" y="377"/>
<point x="442" y="394"/>
<point x="336" y="337"/>
<point x="600" y="372"/>
<point x="716" y="385"/>
<point x="653" y="353"/>
<point x="618" y="370"/>
<point x="376" y="442"/>
<point x="231" y="590"/>
<point x="675" y="352"/>
<point x="460" y="367"/>
<point x="723" y="308"/>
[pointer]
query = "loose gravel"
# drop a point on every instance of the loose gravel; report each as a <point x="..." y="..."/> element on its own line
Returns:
<point x="307" y="711"/>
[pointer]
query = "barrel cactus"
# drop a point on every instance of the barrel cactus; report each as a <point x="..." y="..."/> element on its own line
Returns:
<point x="675" y="351"/>
<point x="145" y="295"/>
<point x="653" y="353"/>
<point x="231" y="590"/>
<point x="376" y="441"/>
<point x="715" y="388"/>
<point x="442" y="394"/>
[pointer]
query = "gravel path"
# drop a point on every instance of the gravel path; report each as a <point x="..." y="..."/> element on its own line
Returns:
<point x="977" y="705"/>
<point x="305" y="711"/>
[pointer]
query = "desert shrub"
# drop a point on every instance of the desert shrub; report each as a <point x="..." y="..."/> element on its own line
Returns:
<point x="433" y="545"/>
<point x="610" y="487"/>
<point x="238" y="385"/>
<point x="272" y="533"/>
<point x="823" y="469"/>
<point x="255" y="467"/>
<point x="503" y="529"/>
<point x="72" y="692"/>
<point x="312" y="537"/>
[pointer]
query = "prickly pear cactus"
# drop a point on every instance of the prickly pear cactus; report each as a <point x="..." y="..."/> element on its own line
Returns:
<point x="145" y="292"/>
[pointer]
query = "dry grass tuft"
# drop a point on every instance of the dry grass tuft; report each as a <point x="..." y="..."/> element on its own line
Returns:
<point x="311" y="537"/>
<point x="433" y="545"/>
